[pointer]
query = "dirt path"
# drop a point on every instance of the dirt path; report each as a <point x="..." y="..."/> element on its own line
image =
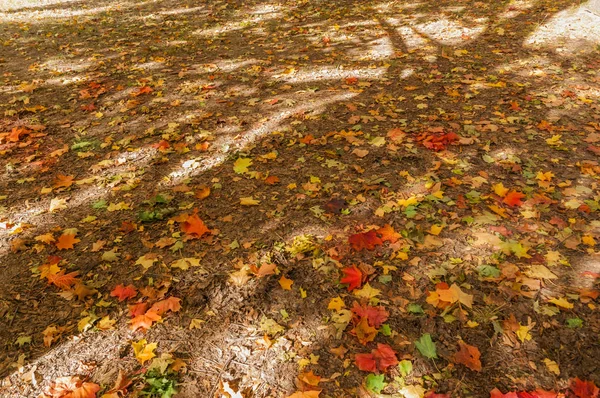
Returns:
<point x="231" y="197"/>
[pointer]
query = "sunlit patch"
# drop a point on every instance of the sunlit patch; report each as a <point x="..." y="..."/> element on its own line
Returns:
<point x="330" y="73"/>
<point x="40" y="15"/>
<point x="8" y="5"/>
<point x="237" y="25"/>
<point x="265" y="9"/>
<point x="58" y="65"/>
<point x="451" y="33"/>
<point x="225" y="144"/>
<point x="152" y="65"/>
<point x="186" y="10"/>
<point x="569" y="31"/>
<point x="412" y="40"/>
<point x="379" y="49"/>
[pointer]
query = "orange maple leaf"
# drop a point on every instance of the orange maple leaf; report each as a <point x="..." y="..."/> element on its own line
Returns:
<point x="513" y="198"/>
<point x="364" y="332"/>
<point x="388" y="234"/>
<point x="63" y="181"/>
<point x="66" y="241"/>
<point x="170" y="304"/>
<point x="15" y="134"/>
<point x="194" y="226"/>
<point x="144" y="321"/>
<point x="468" y="356"/>
<point x="62" y="280"/>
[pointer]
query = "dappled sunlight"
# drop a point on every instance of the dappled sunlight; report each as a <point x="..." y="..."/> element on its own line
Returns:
<point x="273" y="166"/>
<point x="568" y="32"/>
<point x="13" y="5"/>
<point x="315" y="74"/>
<point x="451" y="33"/>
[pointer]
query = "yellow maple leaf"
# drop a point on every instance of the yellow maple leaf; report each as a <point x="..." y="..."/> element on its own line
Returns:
<point x="336" y="304"/>
<point x="552" y="366"/>
<point x="367" y="292"/>
<point x="143" y="351"/>
<point x="241" y="165"/>
<point x="523" y="332"/>
<point x="436" y="229"/>
<point x="561" y="302"/>
<point x="147" y="260"/>
<point x="588" y="240"/>
<point x="500" y="190"/>
<point x="249" y="201"/>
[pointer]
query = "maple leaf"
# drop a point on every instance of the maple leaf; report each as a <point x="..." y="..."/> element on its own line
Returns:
<point x="365" y="362"/>
<point x="124" y="292"/>
<point x="353" y="277"/>
<point x="285" y="283"/>
<point x="137" y="309"/>
<point x="194" y="226"/>
<point x="380" y="358"/>
<point x="364" y="332"/>
<point x="62" y="280"/>
<point x="170" y="304"/>
<point x="375" y="315"/>
<point x="63" y="181"/>
<point x="66" y="241"/>
<point x="142" y="90"/>
<point x="366" y="240"/>
<point x="143" y="351"/>
<point x="72" y="387"/>
<point x="387" y="234"/>
<point x="432" y="394"/>
<point x="309" y="378"/>
<point x="306" y="394"/>
<point x="513" y="198"/>
<point x="584" y="389"/>
<point x="468" y="356"/>
<point x="144" y="321"/>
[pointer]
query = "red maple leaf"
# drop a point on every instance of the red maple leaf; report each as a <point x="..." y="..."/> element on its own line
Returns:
<point x="432" y="394"/>
<point x="539" y="393"/>
<point x="513" y="198"/>
<point x="365" y="362"/>
<point x="375" y="315"/>
<point x="137" y="309"/>
<point x="124" y="292"/>
<point x="380" y="358"/>
<point x="353" y="277"/>
<point x="584" y="389"/>
<point x="366" y="240"/>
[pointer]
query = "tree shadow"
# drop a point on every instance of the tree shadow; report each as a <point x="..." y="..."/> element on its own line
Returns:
<point x="234" y="80"/>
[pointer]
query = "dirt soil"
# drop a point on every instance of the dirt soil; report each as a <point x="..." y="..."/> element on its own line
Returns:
<point x="235" y="160"/>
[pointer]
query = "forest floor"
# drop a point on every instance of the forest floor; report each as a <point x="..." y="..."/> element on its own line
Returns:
<point x="343" y="198"/>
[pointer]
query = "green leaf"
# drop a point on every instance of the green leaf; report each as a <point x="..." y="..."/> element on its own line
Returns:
<point x="426" y="346"/>
<point x="101" y="204"/>
<point x="414" y="308"/>
<point x="574" y="323"/>
<point x="488" y="271"/>
<point x="385" y="330"/>
<point x="405" y="367"/>
<point x="375" y="383"/>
